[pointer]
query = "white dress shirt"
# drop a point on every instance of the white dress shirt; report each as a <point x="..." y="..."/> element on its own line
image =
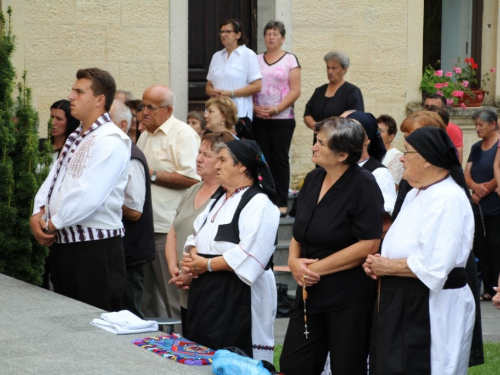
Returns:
<point x="235" y="72"/>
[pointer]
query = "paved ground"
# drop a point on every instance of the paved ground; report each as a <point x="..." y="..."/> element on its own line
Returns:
<point x="45" y="333"/>
<point x="490" y="317"/>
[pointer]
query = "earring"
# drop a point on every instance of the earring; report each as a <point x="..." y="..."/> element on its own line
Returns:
<point x="222" y="123"/>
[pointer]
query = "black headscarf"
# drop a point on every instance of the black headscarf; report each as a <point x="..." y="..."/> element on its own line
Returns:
<point x="376" y="148"/>
<point x="250" y="155"/>
<point x="436" y="147"/>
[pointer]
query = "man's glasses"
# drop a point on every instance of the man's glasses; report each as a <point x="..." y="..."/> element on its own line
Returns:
<point x="152" y="108"/>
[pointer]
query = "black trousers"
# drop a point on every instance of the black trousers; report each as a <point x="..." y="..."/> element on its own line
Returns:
<point x="274" y="138"/>
<point x="344" y="333"/>
<point x="92" y="272"/>
<point x="487" y="249"/>
<point x="132" y="298"/>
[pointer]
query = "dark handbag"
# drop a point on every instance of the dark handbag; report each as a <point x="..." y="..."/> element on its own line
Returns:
<point x="244" y="128"/>
<point x="284" y="305"/>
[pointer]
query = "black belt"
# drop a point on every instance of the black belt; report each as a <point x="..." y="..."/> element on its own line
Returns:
<point x="457" y="278"/>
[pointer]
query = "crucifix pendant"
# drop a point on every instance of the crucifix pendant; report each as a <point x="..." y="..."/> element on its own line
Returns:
<point x="306" y="333"/>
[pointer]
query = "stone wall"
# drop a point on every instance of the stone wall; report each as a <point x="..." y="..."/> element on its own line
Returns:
<point x="383" y="41"/>
<point x="142" y="43"/>
<point x="55" y="38"/>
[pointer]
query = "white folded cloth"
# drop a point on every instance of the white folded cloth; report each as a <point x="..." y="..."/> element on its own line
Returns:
<point x="124" y="322"/>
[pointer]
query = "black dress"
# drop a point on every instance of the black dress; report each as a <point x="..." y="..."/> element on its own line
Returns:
<point x="347" y="97"/>
<point x="352" y="209"/>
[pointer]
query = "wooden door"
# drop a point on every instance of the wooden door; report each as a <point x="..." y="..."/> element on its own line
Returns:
<point x="205" y="17"/>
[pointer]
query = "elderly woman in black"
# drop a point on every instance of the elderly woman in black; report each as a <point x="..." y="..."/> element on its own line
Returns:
<point x="335" y="97"/>
<point x="338" y="223"/>
<point x="425" y="312"/>
<point x="233" y="300"/>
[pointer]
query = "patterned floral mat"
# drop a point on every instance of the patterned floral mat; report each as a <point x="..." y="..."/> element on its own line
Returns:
<point x="178" y="349"/>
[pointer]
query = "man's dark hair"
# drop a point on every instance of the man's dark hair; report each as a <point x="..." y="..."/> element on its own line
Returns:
<point x="437" y="96"/>
<point x="103" y="83"/>
<point x="443" y="113"/>
<point x="392" y="127"/>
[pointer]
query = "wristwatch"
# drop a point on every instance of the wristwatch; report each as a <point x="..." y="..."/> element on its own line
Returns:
<point x="153" y="177"/>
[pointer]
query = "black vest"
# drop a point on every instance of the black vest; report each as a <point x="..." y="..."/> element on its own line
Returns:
<point x="373" y="164"/>
<point x="139" y="240"/>
<point x="231" y="232"/>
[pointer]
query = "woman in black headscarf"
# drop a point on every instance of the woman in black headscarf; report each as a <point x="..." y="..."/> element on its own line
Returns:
<point x="425" y="310"/>
<point x="371" y="159"/>
<point x="232" y="302"/>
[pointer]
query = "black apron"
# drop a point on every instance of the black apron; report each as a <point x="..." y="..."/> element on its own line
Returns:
<point x="401" y="335"/>
<point x="219" y="313"/>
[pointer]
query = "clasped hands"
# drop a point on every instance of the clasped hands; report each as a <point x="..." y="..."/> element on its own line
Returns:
<point x="301" y="273"/>
<point x="376" y="266"/>
<point x="38" y="225"/>
<point x="192" y="265"/>
<point x="264" y="112"/>
<point x="217" y="93"/>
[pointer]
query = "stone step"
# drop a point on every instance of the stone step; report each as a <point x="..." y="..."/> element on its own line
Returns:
<point x="281" y="271"/>
<point x="280" y="256"/>
<point x="285" y="229"/>
<point x="291" y="198"/>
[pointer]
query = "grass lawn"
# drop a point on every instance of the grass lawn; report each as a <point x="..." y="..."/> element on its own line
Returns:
<point x="491" y="366"/>
<point x="491" y="361"/>
<point x="277" y="354"/>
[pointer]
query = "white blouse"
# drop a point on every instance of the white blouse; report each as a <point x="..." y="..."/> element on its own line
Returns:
<point x="392" y="162"/>
<point x="235" y="72"/>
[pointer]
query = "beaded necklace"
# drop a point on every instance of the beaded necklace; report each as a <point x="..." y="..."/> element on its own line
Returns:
<point x="304" y="298"/>
<point x="226" y="199"/>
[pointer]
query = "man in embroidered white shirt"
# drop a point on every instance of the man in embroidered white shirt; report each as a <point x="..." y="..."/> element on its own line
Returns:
<point x="77" y="210"/>
<point x="170" y="147"/>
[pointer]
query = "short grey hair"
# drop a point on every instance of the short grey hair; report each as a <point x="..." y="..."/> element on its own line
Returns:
<point x="488" y="114"/>
<point x="344" y="135"/>
<point x="119" y="112"/>
<point x="221" y="146"/>
<point x="274" y="24"/>
<point x="339" y="57"/>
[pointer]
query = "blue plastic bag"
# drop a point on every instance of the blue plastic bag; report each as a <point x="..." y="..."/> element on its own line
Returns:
<point x="228" y="363"/>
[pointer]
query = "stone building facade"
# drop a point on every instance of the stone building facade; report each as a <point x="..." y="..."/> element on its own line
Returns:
<point x="145" y="42"/>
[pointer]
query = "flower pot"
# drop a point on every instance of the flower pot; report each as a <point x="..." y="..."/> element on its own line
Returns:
<point x="470" y="101"/>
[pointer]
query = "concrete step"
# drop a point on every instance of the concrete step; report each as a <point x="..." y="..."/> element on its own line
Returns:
<point x="285" y="229"/>
<point x="280" y="256"/>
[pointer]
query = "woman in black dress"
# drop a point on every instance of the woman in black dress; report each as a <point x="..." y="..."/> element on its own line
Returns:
<point x="338" y="221"/>
<point x="335" y="97"/>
